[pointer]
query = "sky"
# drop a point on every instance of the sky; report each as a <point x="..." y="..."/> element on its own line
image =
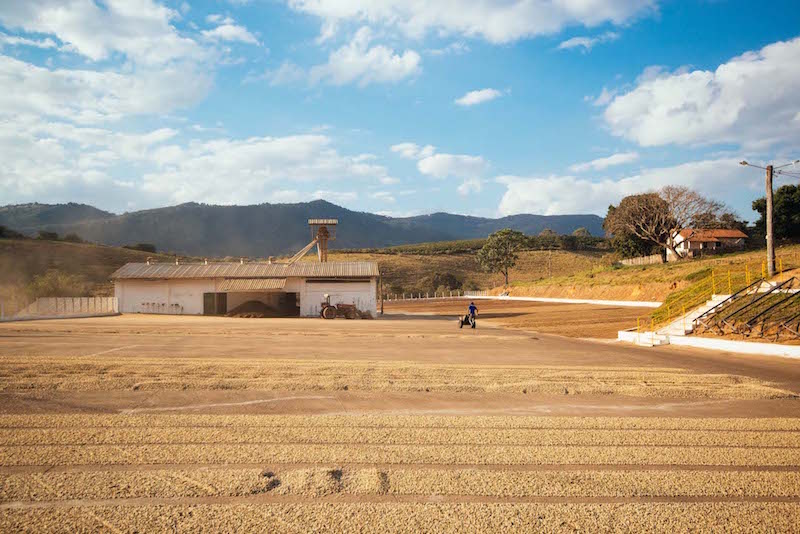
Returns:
<point x="398" y="107"/>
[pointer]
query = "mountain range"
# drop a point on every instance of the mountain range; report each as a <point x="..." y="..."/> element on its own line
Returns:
<point x="267" y="229"/>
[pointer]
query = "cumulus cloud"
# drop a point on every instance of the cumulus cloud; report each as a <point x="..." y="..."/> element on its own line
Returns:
<point x="497" y="22"/>
<point x="257" y="164"/>
<point x="52" y="161"/>
<point x="87" y="96"/>
<point x="603" y="98"/>
<point x="722" y="179"/>
<point x="603" y="163"/>
<point x="11" y="40"/>
<point x="413" y="150"/>
<point x="140" y="30"/>
<point x="231" y="32"/>
<point x="358" y="62"/>
<point x="478" y="97"/>
<point x="749" y="100"/>
<point x="455" y="165"/>
<point x="440" y="166"/>
<point x="587" y="43"/>
<point x="455" y="48"/>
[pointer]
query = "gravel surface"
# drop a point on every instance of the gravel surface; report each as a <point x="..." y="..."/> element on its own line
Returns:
<point x="323" y="481"/>
<point x="413" y="518"/>
<point x="147" y="374"/>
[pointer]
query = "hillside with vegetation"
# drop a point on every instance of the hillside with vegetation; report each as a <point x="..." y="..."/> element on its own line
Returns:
<point x="31" y="268"/>
<point x="268" y="229"/>
<point x="652" y="282"/>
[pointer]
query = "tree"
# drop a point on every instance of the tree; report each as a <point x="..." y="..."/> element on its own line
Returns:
<point x="786" y="207"/>
<point x="73" y="238"/>
<point x="658" y="217"/>
<point x="581" y="232"/>
<point x="445" y="281"/>
<point x="144" y="247"/>
<point x="47" y="236"/>
<point x="499" y="254"/>
<point x="646" y="216"/>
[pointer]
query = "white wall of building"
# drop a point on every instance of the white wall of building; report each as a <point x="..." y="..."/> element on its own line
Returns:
<point x="362" y="294"/>
<point x="185" y="297"/>
<point x="180" y="297"/>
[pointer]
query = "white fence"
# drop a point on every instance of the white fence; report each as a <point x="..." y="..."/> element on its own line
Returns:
<point x="67" y="307"/>
<point x="643" y="260"/>
<point x="431" y="295"/>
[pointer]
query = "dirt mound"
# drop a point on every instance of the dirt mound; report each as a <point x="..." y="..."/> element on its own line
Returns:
<point x="254" y="309"/>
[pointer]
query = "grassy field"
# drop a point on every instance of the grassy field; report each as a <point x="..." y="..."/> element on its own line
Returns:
<point x="208" y="424"/>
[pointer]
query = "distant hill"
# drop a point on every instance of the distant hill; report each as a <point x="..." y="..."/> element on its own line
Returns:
<point x="267" y="229"/>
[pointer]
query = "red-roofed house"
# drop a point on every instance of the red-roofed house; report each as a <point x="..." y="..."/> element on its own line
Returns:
<point x="691" y="242"/>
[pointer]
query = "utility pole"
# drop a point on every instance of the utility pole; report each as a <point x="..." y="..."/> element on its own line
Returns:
<point x="769" y="217"/>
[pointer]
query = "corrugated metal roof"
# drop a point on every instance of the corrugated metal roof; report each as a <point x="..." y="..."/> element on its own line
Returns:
<point x="334" y="269"/>
<point x="238" y="285"/>
<point x="323" y="221"/>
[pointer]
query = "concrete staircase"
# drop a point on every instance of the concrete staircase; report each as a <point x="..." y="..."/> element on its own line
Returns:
<point x="679" y="327"/>
<point x="685" y="323"/>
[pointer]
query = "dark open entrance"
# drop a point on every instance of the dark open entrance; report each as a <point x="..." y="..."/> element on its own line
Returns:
<point x="215" y="303"/>
<point x="290" y="305"/>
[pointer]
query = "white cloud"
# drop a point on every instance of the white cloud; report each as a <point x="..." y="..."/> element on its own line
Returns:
<point x="230" y="32"/>
<point x="141" y="30"/>
<point x="357" y="62"/>
<point x="478" y="97"/>
<point x="749" y="100"/>
<point x="429" y="163"/>
<point x="413" y="150"/>
<point x="383" y="196"/>
<point x="600" y="164"/>
<point x="10" y="40"/>
<point x="457" y="165"/>
<point x="497" y="22"/>
<point x="587" y="43"/>
<point x="288" y="73"/>
<point x="455" y="48"/>
<point x="721" y="179"/>
<point x="256" y="165"/>
<point x="87" y="96"/>
<point x="603" y="98"/>
<point x="56" y="161"/>
<point x="470" y="185"/>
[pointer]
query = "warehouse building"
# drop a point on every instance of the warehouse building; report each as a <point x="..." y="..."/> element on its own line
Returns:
<point x="290" y="288"/>
<point x="296" y="289"/>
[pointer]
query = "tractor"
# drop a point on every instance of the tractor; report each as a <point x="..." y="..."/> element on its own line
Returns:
<point x="329" y="311"/>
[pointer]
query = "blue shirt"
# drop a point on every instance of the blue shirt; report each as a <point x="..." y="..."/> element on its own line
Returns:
<point x="472" y="309"/>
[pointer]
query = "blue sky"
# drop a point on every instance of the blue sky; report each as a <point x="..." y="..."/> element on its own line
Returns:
<point x="397" y="107"/>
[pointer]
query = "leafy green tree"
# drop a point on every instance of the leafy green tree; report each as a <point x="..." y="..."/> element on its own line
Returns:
<point x="500" y="253"/>
<point x="786" y="205"/>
